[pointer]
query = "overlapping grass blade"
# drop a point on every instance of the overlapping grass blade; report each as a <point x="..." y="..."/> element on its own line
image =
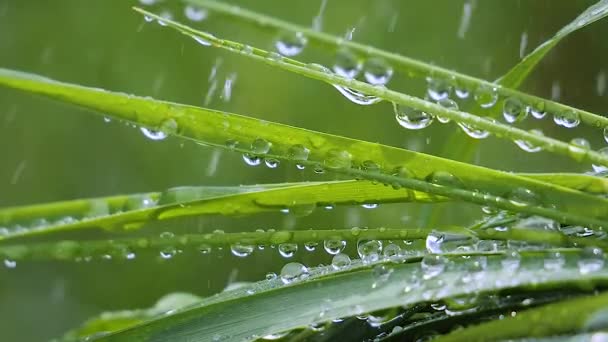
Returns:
<point x="282" y="308"/>
<point x="132" y="211"/>
<point x="566" y="317"/>
<point x="414" y="67"/>
<point x="396" y="166"/>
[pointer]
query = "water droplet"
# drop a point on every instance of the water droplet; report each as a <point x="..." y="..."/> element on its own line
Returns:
<point x="528" y="146"/>
<point x="537" y="110"/>
<point x="166" y="127"/>
<point x="591" y="260"/>
<point x="251" y="160"/>
<point x="486" y="96"/>
<point x="347" y="64"/>
<point x="581" y="142"/>
<point x="340" y="261"/>
<point x="337" y="159"/>
<point x="438" y="89"/>
<point x="554" y="261"/>
<point x="568" y="119"/>
<point x="369" y="250"/>
<point x="167" y="235"/>
<point x="291" y="44"/>
<point x="357" y="97"/>
<point x="377" y="71"/>
<point x="260" y="146"/>
<point x="391" y="252"/>
<point x="432" y="265"/>
<point x="411" y="118"/>
<point x="311" y="246"/>
<point x="166" y="15"/>
<point x="195" y="13"/>
<point x="271" y="163"/>
<point x="473" y="132"/>
<point x="606" y="133"/>
<point x="241" y="250"/>
<point x="271" y="276"/>
<point x="9" y="263"/>
<point x="292" y="272"/>
<point x="370" y="166"/>
<point x="288" y="250"/>
<point x="511" y="261"/>
<point x="298" y="152"/>
<point x="152" y="134"/>
<point x="168" y="252"/>
<point x="433" y="242"/>
<point x="334" y="246"/>
<point x="201" y="40"/>
<point x="462" y="93"/>
<point x="273" y="56"/>
<point x="601" y="168"/>
<point x="522" y="197"/>
<point x="513" y="110"/>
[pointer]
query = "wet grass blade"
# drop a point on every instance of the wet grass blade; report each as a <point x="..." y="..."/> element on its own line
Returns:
<point x="515" y="76"/>
<point x="412" y="67"/>
<point x="355" y="158"/>
<point x="566" y="317"/>
<point x="263" y="309"/>
<point x="129" y="212"/>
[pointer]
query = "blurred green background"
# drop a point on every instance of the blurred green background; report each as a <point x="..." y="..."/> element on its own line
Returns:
<point x="51" y="151"/>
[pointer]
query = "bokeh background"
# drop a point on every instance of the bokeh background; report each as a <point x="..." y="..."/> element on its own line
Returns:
<point x="52" y="151"/>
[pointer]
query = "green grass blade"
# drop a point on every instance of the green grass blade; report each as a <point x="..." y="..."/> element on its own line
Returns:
<point x="332" y="153"/>
<point x="129" y="212"/>
<point x="320" y="73"/>
<point x="408" y="66"/>
<point x="567" y="317"/>
<point x="283" y="308"/>
<point x="515" y="76"/>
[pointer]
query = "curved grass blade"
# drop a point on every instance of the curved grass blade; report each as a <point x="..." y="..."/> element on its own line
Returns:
<point x="519" y="72"/>
<point x="412" y="170"/>
<point x="284" y="308"/>
<point x="132" y="211"/>
<point x="568" y="317"/>
<point x="323" y="74"/>
<point x="409" y="66"/>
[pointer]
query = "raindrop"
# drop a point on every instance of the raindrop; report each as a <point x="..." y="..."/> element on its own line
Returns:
<point x="8" y="263"/>
<point x="591" y="260"/>
<point x="291" y="44"/>
<point x="473" y="132"/>
<point x="168" y="252"/>
<point x="271" y="163"/>
<point x="166" y="127"/>
<point x="462" y="93"/>
<point x="311" y="246"/>
<point x="347" y="64"/>
<point x="166" y="15"/>
<point x="537" y="110"/>
<point x="528" y="146"/>
<point x="433" y="242"/>
<point x="241" y="250"/>
<point x="337" y="159"/>
<point x="606" y="133"/>
<point x="568" y="119"/>
<point x="377" y="71"/>
<point x="357" y="97"/>
<point x="369" y="250"/>
<point x="201" y="40"/>
<point x="204" y="249"/>
<point x="391" y="251"/>
<point x="486" y="96"/>
<point x="432" y="265"/>
<point x="511" y="261"/>
<point x="412" y="118"/>
<point x="581" y="142"/>
<point x="195" y="13"/>
<point x="522" y="197"/>
<point x="293" y="271"/>
<point x="251" y="160"/>
<point x="444" y="178"/>
<point x="260" y="146"/>
<point x="288" y="250"/>
<point x="513" y="110"/>
<point x="271" y="276"/>
<point x="152" y="134"/>
<point x="438" y="89"/>
<point x="298" y="152"/>
<point x="601" y="168"/>
<point x="340" y="261"/>
<point x="334" y="246"/>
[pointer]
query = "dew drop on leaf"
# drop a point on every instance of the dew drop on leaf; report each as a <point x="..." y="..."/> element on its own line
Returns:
<point x="513" y="110"/>
<point x="291" y="44"/>
<point x="194" y="13"/>
<point x="432" y="265"/>
<point x="591" y="260"/>
<point x="412" y="118"/>
<point x="241" y="250"/>
<point x="334" y="246"/>
<point x="568" y="119"/>
<point x="288" y="250"/>
<point x="438" y="89"/>
<point x="369" y="250"/>
<point x="486" y="96"/>
<point x="340" y="261"/>
<point x="292" y="272"/>
<point x="377" y="71"/>
<point x="346" y="64"/>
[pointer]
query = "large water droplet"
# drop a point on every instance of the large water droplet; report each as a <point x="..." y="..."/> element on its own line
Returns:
<point x="433" y="242"/>
<point x="334" y="246"/>
<point x="474" y="132"/>
<point x="241" y="250"/>
<point x="357" y="97"/>
<point x="292" y="272"/>
<point x="377" y="71"/>
<point x="340" y="261"/>
<point x="195" y="13"/>
<point x="513" y="110"/>
<point x="486" y="96"/>
<point x="412" y="118"/>
<point x="260" y="146"/>
<point x="444" y="178"/>
<point x="432" y="265"/>
<point x="537" y="110"/>
<point x="168" y="252"/>
<point x="369" y="250"/>
<point x="298" y="152"/>
<point x="528" y="146"/>
<point x="288" y="250"/>
<point x="568" y="119"/>
<point x="252" y="160"/>
<point x="391" y="252"/>
<point x="337" y="159"/>
<point x="291" y="44"/>
<point x="438" y="89"/>
<point x="347" y="64"/>
<point x="601" y="168"/>
<point x="166" y="127"/>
